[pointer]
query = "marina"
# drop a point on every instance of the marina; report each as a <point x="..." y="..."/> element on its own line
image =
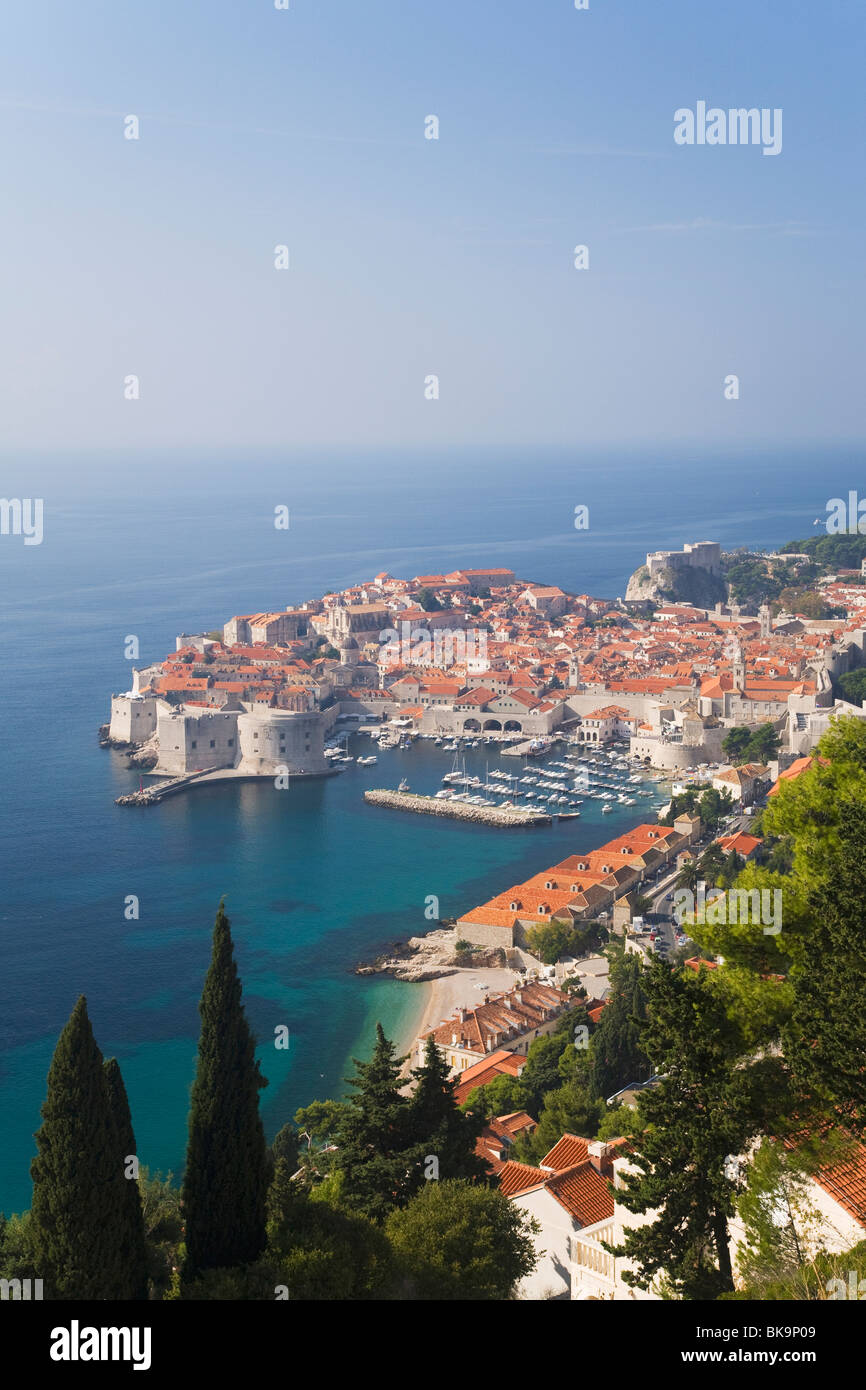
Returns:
<point x="558" y="779"/>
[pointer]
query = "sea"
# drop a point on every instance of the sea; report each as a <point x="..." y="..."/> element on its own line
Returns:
<point x="145" y="545"/>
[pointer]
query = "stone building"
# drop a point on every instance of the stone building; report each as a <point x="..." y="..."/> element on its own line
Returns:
<point x="133" y="717"/>
<point x="255" y="740"/>
<point x="190" y="742"/>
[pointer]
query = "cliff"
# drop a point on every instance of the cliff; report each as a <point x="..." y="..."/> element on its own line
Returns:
<point x="687" y="585"/>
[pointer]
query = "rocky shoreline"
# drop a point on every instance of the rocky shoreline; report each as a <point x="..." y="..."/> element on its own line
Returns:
<point x="430" y="957"/>
<point x="139" y="754"/>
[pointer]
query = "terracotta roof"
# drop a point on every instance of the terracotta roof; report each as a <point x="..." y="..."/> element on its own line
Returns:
<point x="583" y="1192"/>
<point x="499" y="1063"/>
<point x="741" y="842"/>
<point x="568" y="1151"/>
<point x="580" y="1189"/>
<point x="846" y="1183"/>
<point x="796" y="770"/>
<point x="515" y="1178"/>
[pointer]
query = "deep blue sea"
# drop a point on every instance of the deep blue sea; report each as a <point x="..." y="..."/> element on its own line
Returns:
<point x="314" y="880"/>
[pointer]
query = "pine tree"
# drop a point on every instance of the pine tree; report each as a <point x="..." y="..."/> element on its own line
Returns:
<point x="825" y="1039"/>
<point x="442" y="1130"/>
<point x="133" y="1242"/>
<point x="709" y="1103"/>
<point x="375" y="1136"/>
<point x="227" y="1168"/>
<point x="80" y="1202"/>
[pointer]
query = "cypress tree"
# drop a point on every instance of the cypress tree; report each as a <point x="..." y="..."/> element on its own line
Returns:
<point x="79" y="1191"/>
<point x="133" y="1244"/>
<point x="617" y="1055"/>
<point x="375" y="1137"/>
<point x="227" y="1169"/>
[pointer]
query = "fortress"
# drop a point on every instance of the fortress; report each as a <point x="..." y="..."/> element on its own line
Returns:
<point x="252" y="740"/>
<point x="693" y="574"/>
<point x="704" y="555"/>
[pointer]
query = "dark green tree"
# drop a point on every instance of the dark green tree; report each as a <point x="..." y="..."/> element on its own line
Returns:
<point x="374" y="1135"/>
<point x="714" y="806"/>
<point x="287" y="1145"/>
<point x="501" y="1096"/>
<point x="441" y="1130"/>
<point x="763" y="745"/>
<point x="617" y="1056"/>
<point x="320" y="1250"/>
<point x="570" y="1109"/>
<point x="735" y="744"/>
<point x="461" y="1240"/>
<point x="132" y="1238"/>
<point x="825" y="1038"/>
<point x="852" y="686"/>
<point x="227" y="1170"/>
<point x="706" y="1108"/>
<point x="80" y="1212"/>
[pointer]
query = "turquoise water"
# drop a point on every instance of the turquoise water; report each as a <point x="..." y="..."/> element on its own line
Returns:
<point x="314" y="879"/>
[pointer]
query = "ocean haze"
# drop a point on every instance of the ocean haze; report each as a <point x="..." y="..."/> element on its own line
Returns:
<point x="155" y="257"/>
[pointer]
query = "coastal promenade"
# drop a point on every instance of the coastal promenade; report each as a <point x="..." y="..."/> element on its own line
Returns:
<point x="456" y="810"/>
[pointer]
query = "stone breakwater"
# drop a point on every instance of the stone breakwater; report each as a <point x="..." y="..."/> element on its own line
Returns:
<point x="151" y="795"/>
<point x="456" y="810"/>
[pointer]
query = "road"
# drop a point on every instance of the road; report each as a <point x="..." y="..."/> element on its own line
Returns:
<point x="661" y="889"/>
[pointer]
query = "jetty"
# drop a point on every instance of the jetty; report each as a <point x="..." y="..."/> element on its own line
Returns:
<point x="170" y="786"/>
<point x="456" y="810"/>
<point x="150" y="796"/>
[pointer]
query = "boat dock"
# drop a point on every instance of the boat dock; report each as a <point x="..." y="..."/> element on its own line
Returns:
<point x="456" y="810"/>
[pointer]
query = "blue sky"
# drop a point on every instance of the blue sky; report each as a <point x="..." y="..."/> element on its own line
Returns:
<point x="408" y="257"/>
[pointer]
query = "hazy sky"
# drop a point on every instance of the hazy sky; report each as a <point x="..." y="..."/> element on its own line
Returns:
<point x="410" y="256"/>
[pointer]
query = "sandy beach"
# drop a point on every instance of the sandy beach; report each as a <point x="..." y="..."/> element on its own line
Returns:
<point x="437" y="999"/>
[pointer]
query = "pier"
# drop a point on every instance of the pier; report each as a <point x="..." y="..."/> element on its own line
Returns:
<point x="456" y="810"/>
<point x="152" y="795"/>
<point x="172" y="785"/>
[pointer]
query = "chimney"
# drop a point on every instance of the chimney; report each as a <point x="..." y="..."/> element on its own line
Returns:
<point x="600" y="1157"/>
<point x="453" y="1039"/>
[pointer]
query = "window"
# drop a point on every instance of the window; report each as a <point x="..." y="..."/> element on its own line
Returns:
<point x="194" y="743"/>
<point x="231" y="743"/>
<point x="213" y="743"/>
